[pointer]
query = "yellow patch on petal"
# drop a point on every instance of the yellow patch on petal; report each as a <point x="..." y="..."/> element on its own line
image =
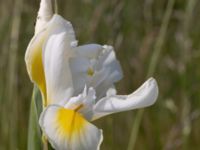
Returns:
<point x="90" y="72"/>
<point x="35" y="65"/>
<point x="69" y="122"/>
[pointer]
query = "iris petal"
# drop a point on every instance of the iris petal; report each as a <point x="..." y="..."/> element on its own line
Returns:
<point x="144" y="96"/>
<point x="67" y="130"/>
<point x="34" y="63"/>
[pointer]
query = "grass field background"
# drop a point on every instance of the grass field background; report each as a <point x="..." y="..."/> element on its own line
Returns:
<point x="159" y="38"/>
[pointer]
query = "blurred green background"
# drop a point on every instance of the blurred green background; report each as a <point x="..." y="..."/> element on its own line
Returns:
<point x="159" y="38"/>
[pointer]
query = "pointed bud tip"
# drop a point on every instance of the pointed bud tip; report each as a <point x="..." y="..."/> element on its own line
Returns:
<point x="45" y="10"/>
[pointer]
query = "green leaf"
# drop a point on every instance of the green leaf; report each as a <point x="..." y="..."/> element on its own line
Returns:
<point x="34" y="133"/>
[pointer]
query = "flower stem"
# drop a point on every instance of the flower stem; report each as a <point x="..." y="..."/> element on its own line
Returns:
<point x="56" y="6"/>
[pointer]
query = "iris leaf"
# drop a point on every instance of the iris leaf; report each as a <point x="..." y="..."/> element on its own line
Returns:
<point x="34" y="133"/>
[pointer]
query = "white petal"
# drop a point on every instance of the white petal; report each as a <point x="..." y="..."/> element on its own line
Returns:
<point x="144" y="96"/>
<point x="109" y="61"/>
<point x="102" y="60"/>
<point x="83" y="103"/>
<point x="111" y="68"/>
<point x="107" y="81"/>
<point x="34" y="65"/>
<point x="44" y="15"/>
<point x="35" y="51"/>
<point x="89" y="50"/>
<point x="88" y="102"/>
<point x="57" y="72"/>
<point x="68" y="130"/>
<point x="79" y="67"/>
<point x="56" y="54"/>
<point x="57" y="25"/>
<point x="111" y="91"/>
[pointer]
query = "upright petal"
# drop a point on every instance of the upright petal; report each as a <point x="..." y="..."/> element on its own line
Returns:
<point x="33" y="59"/>
<point x="68" y="130"/>
<point x="34" y="53"/>
<point x="45" y="13"/>
<point x="95" y="66"/>
<point x="89" y="51"/>
<point x="56" y="65"/>
<point x="56" y="54"/>
<point x="111" y="69"/>
<point x="144" y="96"/>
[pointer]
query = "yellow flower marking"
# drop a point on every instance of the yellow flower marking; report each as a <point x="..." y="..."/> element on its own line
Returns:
<point x="35" y="65"/>
<point x="69" y="122"/>
<point x="90" y="72"/>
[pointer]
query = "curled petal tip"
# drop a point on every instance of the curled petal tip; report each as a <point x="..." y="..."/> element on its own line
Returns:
<point x="153" y="83"/>
<point x="144" y="96"/>
<point x="46" y="9"/>
<point x="151" y="87"/>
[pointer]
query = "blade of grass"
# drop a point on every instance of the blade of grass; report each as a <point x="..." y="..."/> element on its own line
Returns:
<point x="153" y="64"/>
<point x="185" y="59"/>
<point x="12" y="75"/>
<point x="56" y="6"/>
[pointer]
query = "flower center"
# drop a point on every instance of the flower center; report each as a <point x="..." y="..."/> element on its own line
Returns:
<point x="90" y="72"/>
<point x="69" y="122"/>
<point x="78" y="107"/>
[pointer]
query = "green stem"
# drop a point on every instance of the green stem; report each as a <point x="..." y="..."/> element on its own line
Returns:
<point x="135" y="130"/>
<point x="185" y="59"/>
<point x="151" y="70"/>
<point x="56" y="6"/>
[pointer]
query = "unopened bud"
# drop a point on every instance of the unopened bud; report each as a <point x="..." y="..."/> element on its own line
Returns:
<point x="45" y="13"/>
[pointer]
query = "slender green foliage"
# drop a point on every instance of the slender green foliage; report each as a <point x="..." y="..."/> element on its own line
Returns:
<point x="134" y="29"/>
<point x="34" y="133"/>
<point x="151" y="71"/>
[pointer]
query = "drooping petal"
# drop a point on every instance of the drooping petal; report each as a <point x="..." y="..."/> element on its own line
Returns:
<point x="68" y="130"/>
<point x="144" y="96"/>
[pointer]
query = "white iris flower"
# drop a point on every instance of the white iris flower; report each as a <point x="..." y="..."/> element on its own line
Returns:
<point x="77" y="85"/>
<point x="68" y="126"/>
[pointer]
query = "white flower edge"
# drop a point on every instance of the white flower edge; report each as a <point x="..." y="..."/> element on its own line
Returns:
<point x="78" y="111"/>
<point x="144" y="96"/>
<point x="45" y="13"/>
<point x="65" y="79"/>
<point x="36" y="52"/>
<point x="82" y="135"/>
<point x="57" y="45"/>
